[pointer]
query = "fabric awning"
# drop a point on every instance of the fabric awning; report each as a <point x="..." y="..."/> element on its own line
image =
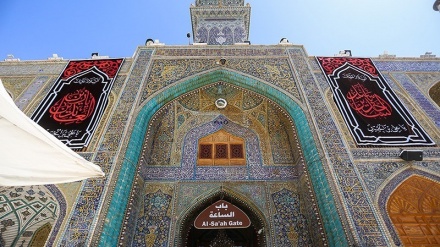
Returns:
<point x="29" y="155"/>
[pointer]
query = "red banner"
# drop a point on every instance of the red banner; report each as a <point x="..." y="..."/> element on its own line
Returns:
<point x="76" y="102"/>
<point x="371" y="110"/>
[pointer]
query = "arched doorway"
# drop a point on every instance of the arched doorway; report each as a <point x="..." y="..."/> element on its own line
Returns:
<point x="252" y="236"/>
<point x="414" y="209"/>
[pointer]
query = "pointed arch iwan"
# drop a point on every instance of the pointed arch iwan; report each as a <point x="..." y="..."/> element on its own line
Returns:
<point x="118" y="204"/>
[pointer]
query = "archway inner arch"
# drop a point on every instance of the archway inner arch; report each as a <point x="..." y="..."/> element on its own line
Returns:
<point x="255" y="235"/>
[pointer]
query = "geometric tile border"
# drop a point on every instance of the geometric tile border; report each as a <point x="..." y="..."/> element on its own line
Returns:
<point x="290" y="230"/>
<point x="390" y="153"/>
<point x="356" y="203"/>
<point x="62" y="202"/>
<point x="430" y="109"/>
<point x="152" y="229"/>
<point x="412" y="66"/>
<point x="83" y="225"/>
<point x="23" y="100"/>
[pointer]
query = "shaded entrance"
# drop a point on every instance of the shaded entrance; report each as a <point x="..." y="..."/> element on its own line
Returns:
<point x="252" y="236"/>
<point x="244" y="237"/>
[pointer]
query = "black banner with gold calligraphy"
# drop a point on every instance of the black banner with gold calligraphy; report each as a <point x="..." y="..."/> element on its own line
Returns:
<point x="371" y="110"/>
<point x="76" y="102"/>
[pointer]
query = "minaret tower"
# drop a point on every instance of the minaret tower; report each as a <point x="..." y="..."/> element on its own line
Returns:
<point x="220" y="22"/>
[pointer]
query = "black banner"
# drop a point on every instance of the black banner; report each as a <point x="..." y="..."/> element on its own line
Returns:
<point x="76" y="102"/>
<point x="372" y="111"/>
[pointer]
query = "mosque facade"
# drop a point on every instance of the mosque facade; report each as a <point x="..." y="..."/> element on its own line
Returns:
<point x="225" y="143"/>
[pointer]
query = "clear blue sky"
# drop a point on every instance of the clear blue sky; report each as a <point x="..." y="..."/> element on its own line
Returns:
<point x="35" y="29"/>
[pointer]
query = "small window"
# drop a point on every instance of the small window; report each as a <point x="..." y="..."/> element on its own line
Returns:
<point x="237" y="151"/>
<point x="205" y="151"/>
<point x="221" y="149"/>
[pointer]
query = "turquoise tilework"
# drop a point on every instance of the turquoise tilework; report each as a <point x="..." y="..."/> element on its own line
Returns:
<point x="327" y="207"/>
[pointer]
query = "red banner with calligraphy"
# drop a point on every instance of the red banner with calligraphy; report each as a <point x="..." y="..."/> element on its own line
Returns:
<point x="76" y="102"/>
<point x="371" y="110"/>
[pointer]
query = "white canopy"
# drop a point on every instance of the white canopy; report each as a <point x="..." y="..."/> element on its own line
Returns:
<point x="29" y="155"/>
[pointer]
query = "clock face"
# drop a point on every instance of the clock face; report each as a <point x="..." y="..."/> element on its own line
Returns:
<point x="221" y="103"/>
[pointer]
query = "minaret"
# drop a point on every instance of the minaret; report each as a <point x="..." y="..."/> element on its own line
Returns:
<point x="220" y="22"/>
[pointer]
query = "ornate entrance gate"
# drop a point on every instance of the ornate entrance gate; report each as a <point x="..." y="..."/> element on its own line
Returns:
<point x="221" y="235"/>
